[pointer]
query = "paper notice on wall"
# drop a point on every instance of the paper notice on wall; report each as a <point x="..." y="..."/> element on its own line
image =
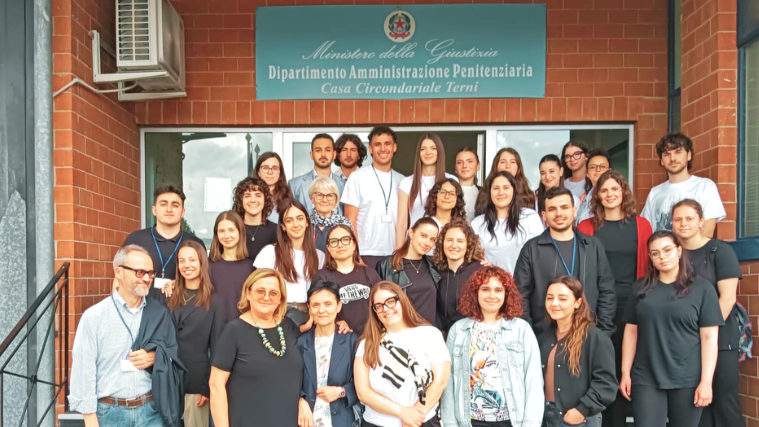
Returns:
<point x="217" y="194"/>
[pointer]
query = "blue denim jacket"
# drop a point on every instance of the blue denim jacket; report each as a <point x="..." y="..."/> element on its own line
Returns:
<point x="519" y="362"/>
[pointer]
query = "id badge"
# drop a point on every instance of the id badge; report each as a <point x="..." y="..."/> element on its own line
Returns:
<point x="159" y="282"/>
<point x="127" y="366"/>
<point x="387" y="219"/>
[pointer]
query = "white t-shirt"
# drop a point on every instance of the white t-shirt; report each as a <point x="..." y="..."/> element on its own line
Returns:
<point x="470" y="200"/>
<point x="364" y="190"/>
<point x="417" y="211"/>
<point x="577" y="188"/>
<point x="658" y="209"/>
<point x="503" y="249"/>
<point x="427" y="345"/>
<point x="297" y="291"/>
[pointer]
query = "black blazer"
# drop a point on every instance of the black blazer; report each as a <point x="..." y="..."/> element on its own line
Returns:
<point x="340" y="374"/>
<point x="197" y="331"/>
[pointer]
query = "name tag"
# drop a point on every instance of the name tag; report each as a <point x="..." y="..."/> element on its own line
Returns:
<point x="160" y="282"/>
<point x="387" y="218"/>
<point x="127" y="366"/>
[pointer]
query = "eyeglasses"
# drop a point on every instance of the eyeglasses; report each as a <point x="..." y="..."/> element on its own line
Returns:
<point x="140" y="273"/>
<point x="260" y="293"/>
<point x="270" y="169"/>
<point x="600" y="168"/>
<point x="446" y="194"/>
<point x="331" y="197"/>
<point x="665" y="252"/>
<point x="576" y="155"/>
<point x="345" y="240"/>
<point x="389" y="303"/>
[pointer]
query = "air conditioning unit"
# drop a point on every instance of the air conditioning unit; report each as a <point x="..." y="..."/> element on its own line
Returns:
<point x="149" y="51"/>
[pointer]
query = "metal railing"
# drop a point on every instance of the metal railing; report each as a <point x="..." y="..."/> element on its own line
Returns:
<point x="38" y="315"/>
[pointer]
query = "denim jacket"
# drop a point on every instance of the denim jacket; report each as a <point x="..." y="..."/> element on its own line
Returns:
<point x="519" y="362"/>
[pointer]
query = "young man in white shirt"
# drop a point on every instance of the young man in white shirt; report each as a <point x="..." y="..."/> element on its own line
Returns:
<point x="371" y="198"/>
<point x="323" y="154"/>
<point x="467" y="165"/>
<point x="676" y="156"/>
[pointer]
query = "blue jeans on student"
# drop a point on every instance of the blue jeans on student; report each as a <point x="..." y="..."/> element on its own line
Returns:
<point x="552" y="418"/>
<point x="120" y="416"/>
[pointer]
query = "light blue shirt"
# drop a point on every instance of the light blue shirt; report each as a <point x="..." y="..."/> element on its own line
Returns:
<point x="102" y="341"/>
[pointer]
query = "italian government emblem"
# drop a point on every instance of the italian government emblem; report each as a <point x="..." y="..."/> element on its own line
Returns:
<point x="399" y="26"/>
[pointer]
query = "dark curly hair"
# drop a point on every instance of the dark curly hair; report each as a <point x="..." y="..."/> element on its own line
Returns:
<point x="474" y="251"/>
<point x="430" y="208"/>
<point x="252" y="184"/>
<point x="674" y="141"/>
<point x="340" y="144"/>
<point x="628" y="200"/>
<point x="469" y="304"/>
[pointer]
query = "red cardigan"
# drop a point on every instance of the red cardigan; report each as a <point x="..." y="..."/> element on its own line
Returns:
<point x="644" y="232"/>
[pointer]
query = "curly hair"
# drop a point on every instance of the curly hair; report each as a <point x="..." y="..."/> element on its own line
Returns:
<point x="430" y="208"/>
<point x="340" y="144"/>
<point x="674" y="141"/>
<point x="252" y="184"/>
<point x="469" y="304"/>
<point x="474" y="251"/>
<point x="628" y="200"/>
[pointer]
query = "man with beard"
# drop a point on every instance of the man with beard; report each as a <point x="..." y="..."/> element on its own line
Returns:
<point x="350" y="154"/>
<point x="559" y="251"/>
<point x="323" y="154"/>
<point x="676" y="157"/>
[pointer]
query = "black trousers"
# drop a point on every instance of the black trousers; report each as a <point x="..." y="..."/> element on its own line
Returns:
<point x="725" y="410"/>
<point x="652" y="406"/>
<point x="616" y="414"/>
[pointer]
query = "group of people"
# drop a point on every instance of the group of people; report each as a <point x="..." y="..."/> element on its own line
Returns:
<point x="363" y="297"/>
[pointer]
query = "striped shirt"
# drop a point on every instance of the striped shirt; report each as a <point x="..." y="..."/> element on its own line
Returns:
<point x="102" y="341"/>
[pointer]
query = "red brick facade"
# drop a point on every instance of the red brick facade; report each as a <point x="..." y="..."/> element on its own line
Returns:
<point x="607" y="62"/>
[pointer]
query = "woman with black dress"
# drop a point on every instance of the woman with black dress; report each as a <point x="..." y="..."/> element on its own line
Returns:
<point x="342" y="265"/>
<point x="411" y="269"/>
<point x="199" y="317"/>
<point x="577" y="358"/>
<point x="624" y="236"/>
<point x="257" y="369"/>
<point x="715" y="261"/>
<point x="230" y="265"/>
<point x="670" y="346"/>
<point x="253" y="203"/>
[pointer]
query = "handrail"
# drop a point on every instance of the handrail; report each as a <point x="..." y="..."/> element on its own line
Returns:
<point x="35" y="305"/>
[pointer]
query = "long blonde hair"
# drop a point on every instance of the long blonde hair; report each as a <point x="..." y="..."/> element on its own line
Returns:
<point x="244" y="304"/>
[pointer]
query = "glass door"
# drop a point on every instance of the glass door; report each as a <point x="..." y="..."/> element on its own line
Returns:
<point x="297" y="148"/>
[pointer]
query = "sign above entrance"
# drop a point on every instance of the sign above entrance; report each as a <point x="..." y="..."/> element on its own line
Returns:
<point x="401" y="52"/>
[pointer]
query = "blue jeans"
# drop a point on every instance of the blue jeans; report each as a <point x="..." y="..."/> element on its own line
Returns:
<point x="552" y="418"/>
<point x="119" y="416"/>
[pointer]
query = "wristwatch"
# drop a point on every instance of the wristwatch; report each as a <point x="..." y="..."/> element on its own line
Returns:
<point x="342" y="392"/>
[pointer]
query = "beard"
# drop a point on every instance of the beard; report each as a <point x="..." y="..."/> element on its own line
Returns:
<point x="350" y="163"/>
<point x="562" y="228"/>
<point x="676" y="169"/>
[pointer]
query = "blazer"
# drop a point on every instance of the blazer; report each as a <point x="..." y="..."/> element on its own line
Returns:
<point x="644" y="232"/>
<point x="300" y="184"/>
<point x="340" y="374"/>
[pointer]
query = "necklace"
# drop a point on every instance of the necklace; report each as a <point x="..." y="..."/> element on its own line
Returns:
<point x="267" y="344"/>
<point x="186" y="300"/>
<point x="414" y="267"/>
<point x="253" y="237"/>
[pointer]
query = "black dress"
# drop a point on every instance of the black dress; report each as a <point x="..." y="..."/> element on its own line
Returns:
<point x="227" y="278"/>
<point x="263" y="389"/>
<point x="258" y="236"/>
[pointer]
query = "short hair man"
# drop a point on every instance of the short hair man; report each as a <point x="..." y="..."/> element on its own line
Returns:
<point x="323" y="154"/>
<point x="598" y="163"/>
<point x="561" y="250"/>
<point x="371" y="198"/>
<point x="162" y="240"/>
<point x="676" y="157"/>
<point x="351" y="153"/>
<point x="118" y="342"/>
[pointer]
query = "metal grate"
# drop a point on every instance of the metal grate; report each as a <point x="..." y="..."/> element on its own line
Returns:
<point x="133" y="30"/>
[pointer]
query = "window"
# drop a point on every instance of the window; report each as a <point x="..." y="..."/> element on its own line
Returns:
<point x="675" y="61"/>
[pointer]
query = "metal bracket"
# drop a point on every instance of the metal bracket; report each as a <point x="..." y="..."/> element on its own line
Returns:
<point x="147" y="96"/>
<point x="124" y="76"/>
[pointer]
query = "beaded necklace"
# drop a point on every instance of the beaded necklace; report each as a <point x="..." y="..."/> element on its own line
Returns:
<point x="267" y="344"/>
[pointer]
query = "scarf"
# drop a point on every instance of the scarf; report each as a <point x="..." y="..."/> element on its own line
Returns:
<point x="401" y="362"/>
<point x="330" y="221"/>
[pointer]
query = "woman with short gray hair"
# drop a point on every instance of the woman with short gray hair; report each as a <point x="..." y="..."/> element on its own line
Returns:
<point x="325" y="196"/>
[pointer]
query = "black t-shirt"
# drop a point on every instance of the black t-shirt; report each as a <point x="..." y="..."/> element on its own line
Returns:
<point x="227" y="278"/>
<point x="144" y="239"/>
<point x="717" y="261"/>
<point x="258" y="236"/>
<point x="422" y="291"/>
<point x="620" y="240"/>
<point x="263" y="389"/>
<point x="668" y="353"/>
<point x="354" y="294"/>
<point x="566" y="249"/>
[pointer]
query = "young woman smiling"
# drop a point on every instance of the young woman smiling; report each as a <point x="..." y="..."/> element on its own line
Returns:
<point x="574" y="158"/>
<point x="551" y="176"/>
<point x="253" y="202"/>
<point x="508" y="160"/>
<point x="445" y="202"/>
<point x="270" y="169"/>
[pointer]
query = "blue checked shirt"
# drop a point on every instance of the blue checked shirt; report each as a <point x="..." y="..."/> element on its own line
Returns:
<point x="101" y="342"/>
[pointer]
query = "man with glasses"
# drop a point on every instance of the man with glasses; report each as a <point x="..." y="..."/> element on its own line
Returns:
<point x="323" y="154"/>
<point x="125" y="345"/>
<point x="598" y="163"/>
<point x="559" y="251"/>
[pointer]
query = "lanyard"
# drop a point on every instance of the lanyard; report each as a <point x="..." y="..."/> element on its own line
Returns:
<point x="124" y="322"/>
<point x="574" y="252"/>
<point x="160" y="255"/>
<point x="385" y="197"/>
